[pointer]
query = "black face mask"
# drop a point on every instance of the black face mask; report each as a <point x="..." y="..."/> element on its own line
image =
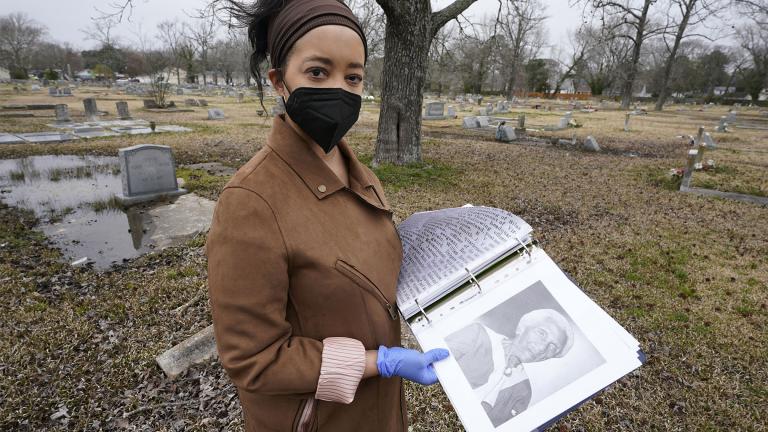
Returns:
<point x="325" y="114"/>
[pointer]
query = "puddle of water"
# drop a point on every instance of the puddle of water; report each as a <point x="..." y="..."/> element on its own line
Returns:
<point x="73" y="198"/>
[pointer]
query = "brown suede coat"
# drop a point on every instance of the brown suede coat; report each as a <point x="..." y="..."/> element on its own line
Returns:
<point x="295" y="257"/>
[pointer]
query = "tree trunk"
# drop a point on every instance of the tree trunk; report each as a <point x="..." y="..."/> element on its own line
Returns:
<point x="664" y="91"/>
<point x="411" y="25"/>
<point x="626" y="97"/>
<point x="406" y="44"/>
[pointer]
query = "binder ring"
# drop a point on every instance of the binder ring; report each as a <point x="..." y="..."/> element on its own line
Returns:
<point x="422" y="311"/>
<point x="474" y="280"/>
<point x="527" y="251"/>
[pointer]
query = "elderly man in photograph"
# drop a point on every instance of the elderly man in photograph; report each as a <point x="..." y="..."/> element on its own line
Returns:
<point x="493" y="362"/>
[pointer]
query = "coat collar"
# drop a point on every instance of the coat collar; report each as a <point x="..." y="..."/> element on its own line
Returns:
<point x="294" y="150"/>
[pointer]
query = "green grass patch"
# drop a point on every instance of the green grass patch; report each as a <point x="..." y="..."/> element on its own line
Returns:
<point x="200" y="182"/>
<point x="428" y="173"/>
<point x="105" y="205"/>
<point x="663" y="268"/>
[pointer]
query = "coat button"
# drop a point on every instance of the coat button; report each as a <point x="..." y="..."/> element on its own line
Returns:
<point x="321" y="188"/>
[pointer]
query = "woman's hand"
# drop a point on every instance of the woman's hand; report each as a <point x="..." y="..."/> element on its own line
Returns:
<point x="409" y="364"/>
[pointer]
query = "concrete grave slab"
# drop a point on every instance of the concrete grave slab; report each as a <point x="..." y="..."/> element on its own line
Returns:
<point x="10" y="139"/>
<point x="46" y="137"/>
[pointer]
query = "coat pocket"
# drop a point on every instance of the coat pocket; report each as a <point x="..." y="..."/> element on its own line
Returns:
<point x="362" y="281"/>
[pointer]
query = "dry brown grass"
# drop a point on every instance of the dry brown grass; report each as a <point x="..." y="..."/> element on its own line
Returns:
<point x="687" y="275"/>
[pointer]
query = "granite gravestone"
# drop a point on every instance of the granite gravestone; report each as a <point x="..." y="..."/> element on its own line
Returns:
<point x="62" y="113"/>
<point x="470" y="123"/>
<point x="150" y="104"/>
<point x="723" y="125"/>
<point x="708" y="141"/>
<point x="148" y="172"/>
<point x="482" y="121"/>
<point x="191" y="102"/>
<point x="66" y="91"/>
<point x="451" y="112"/>
<point x="435" y="111"/>
<point x="122" y="110"/>
<point x="215" y="114"/>
<point x="202" y="102"/>
<point x="91" y="112"/>
<point x="505" y="133"/>
<point x="53" y="91"/>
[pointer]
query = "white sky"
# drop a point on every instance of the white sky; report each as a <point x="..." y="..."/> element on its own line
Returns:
<point x="65" y="19"/>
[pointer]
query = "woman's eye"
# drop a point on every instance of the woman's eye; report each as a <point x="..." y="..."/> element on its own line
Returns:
<point x="316" y="73"/>
<point x="355" y="78"/>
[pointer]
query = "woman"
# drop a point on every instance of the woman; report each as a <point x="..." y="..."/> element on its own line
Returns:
<point x="303" y="255"/>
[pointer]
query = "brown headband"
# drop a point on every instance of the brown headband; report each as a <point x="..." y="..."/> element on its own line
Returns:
<point x="298" y="17"/>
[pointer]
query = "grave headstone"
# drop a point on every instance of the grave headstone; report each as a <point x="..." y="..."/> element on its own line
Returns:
<point x="179" y="92"/>
<point x="240" y="97"/>
<point x="708" y="141"/>
<point x="435" y="111"/>
<point x="470" y="123"/>
<point x="627" y="117"/>
<point x="66" y="91"/>
<point x="148" y="172"/>
<point x="731" y="118"/>
<point x="53" y="91"/>
<point x="215" y="114"/>
<point x="482" y="121"/>
<point x="122" y="110"/>
<point x="150" y="104"/>
<point x="191" y="102"/>
<point x="565" y="120"/>
<point x="451" y="111"/>
<point x="91" y="111"/>
<point x="590" y="144"/>
<point x="202" y="102"/>
<point x="62" y="113"/>
<point x="35" y="87"/>
<point x="723" y="125"/>
<point x="521" y="121"/>
<point x="505" y="133"/>
<point x="489" y="108"/>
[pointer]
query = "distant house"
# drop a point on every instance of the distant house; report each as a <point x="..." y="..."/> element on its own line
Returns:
<point x="721" y="90"/>
<point x="5" y="74"/>
<point x="575" y="86"/>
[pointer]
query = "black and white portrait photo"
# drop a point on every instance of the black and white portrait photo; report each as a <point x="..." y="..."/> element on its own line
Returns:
<point x="520" y="352"/>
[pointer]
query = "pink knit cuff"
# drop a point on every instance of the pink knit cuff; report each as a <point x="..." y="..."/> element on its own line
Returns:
<point x="341" y="369"/>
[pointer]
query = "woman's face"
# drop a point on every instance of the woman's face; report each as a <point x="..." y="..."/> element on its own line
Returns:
<point x="328" y="56"/>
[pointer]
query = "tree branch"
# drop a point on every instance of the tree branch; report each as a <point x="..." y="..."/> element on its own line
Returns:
<point x="441" y="17"/>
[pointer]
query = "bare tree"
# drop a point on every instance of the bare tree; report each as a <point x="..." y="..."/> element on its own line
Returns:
<point x="158" y="63"/>
<point x="100" y="31"/>
<point x="692" y="14"/>
<point x="580" y="47"/>
<point x="203" y="33"/>
<point x="171" y="34"/>
<point x="754" y="42"/>
<point x="520" y="22"/>
<point x="18" y="36"/>
<point x="632" y="20"/>
<point x="757" y="10"/>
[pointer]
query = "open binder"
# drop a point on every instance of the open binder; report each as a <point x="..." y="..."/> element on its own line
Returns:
<point x="527" y="345"/>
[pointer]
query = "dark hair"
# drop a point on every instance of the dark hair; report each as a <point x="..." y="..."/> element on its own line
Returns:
<point x="255" y="17"/>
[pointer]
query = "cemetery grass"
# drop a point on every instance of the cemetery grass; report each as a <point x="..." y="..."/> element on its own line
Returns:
<point x="685" y="274"/>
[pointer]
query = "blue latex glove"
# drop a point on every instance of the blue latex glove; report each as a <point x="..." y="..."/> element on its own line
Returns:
<point x="409" y="364"/>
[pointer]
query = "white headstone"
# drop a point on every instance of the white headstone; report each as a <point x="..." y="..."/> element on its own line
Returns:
<point x="483" y="121"/>
<point x="590" y="144"/>
<point x="215" y="114"/>
<point x="451" y="111"/>
<point x="723" y="125"/>
<point x="148" y="172"/>
<point x="708" y="141"/>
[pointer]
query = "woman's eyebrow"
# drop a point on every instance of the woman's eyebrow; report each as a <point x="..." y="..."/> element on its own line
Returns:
<point x="324" y="60"/>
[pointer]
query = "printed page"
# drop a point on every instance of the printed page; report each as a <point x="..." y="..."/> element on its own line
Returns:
<point x="494" y="377"/>
<point x="438" y="245"/>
